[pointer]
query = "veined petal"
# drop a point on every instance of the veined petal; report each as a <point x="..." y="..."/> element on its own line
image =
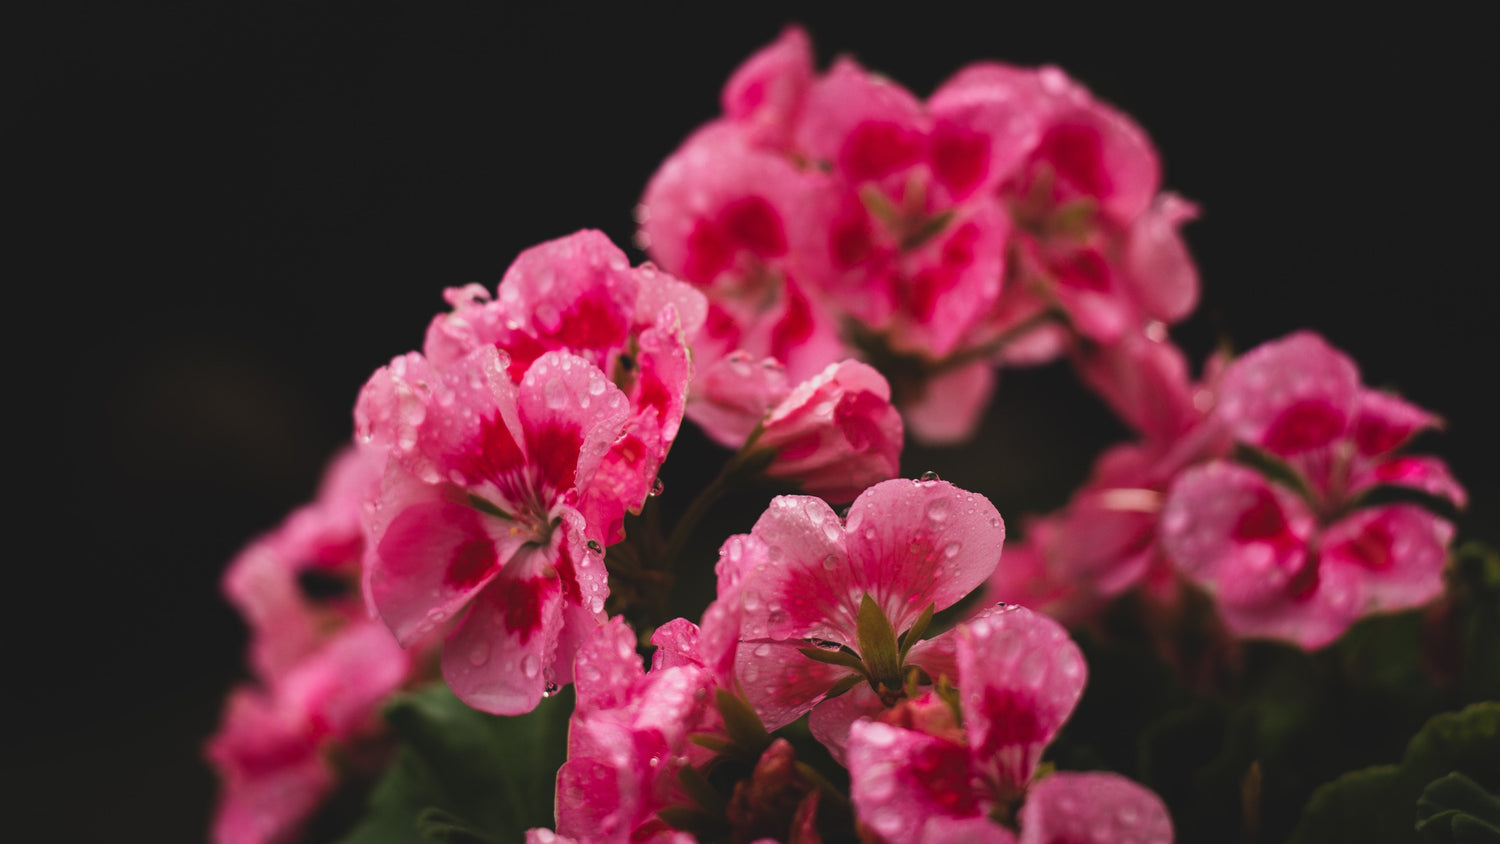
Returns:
<point x="805" y="588"/>
<point x="571" y="414"/>
<point x="905" y="785"/>
<point x="1019" y="678"/>
<point x="575" y="293"/>
<point x="914" y="543"/>
<point x="831" y="719"/>
<point x="495" y="659"/>
<point x="1424" y="473"/>
<point x="1093" y="808"/>
<point x="780" y="683"/>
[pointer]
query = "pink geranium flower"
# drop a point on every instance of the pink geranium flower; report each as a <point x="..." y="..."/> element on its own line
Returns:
<point x="1300" y="556"/>
<point x="579" y="294"/>
<point x="939" y="768"/>
<point x="478" y="516"/>
<point x="905" y="549"/>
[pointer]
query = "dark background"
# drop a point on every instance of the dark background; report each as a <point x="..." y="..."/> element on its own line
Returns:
<point x="230" y="217"/>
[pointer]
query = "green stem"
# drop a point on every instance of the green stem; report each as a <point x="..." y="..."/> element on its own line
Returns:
<point x="731" y="472"/>
<point x="995" y="345"/>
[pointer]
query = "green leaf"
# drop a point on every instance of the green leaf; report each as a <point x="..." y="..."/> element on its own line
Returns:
<point x="463" y="775"/>
<point x="743" y="725"/>
<point x="484" y="505"/>
<point x="917" y="631"/>
<point x="832" y="657"/>
<point x="877" y="643"/>
<point x="701" y="790"/>
<point x="1455" y="808"/>
<point x="1379" y="804"/>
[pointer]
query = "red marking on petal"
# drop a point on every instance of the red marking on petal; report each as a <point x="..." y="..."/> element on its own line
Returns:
<point x="567" y="573"/>
<point x="523" y="350"/>
<point x="708" y="253"/>
<point x="1373" y="547"/>
<point x="751" y="223"/>
<point x="856" y="415"/>
<point x="849" y="241"/>
<point x="876" y="149"/>
<point x="653" y="393"/>
<point x="1012" y="718"/>
<point x="554" y="450"/>
<point x="1076" y="154"/>
<point x="522" y="601"/>
<point x="943" y="773"/>
<point x="803" y="446"/>
<point x="1085" y="270"/>
<point x="1309" y="423"/>
<point x="472" y="561"/>
<point x="1263" y="521"/>
<point x="959" y="250"/>
<point x="493" y="455"/>
<point x="795" y="326"/>
<point x="593" y="322"/>
<point x="1377" y="436"/>
<point x="924" y="290"/>
<point x="960" y="157"/>
<point x="719" y="324"/>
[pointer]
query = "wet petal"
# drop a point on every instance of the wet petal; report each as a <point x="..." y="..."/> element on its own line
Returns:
<point x="1093" y="808"/>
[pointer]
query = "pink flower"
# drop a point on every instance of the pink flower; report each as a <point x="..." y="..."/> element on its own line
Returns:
<point x="478" y="517"/>
<point x="1300" y="557"/>
<point x="905" y="546"/>
<point x="628" y="739"/>
<point x="937" y="769"/>
<point x="834" y="434"/>
<point x="270" y="749"/>
<point x="579" y="294"/>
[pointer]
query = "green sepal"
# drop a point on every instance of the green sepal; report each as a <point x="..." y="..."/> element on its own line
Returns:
<point x="701" y="790"/>
<point x="917" y="631"/>
<point x="839" y="657"/>
<point x="1273" y="468"/>
<point x="1075" y="218"/>
<point x="928" y="229"/>
<point x="743" y="725"/>
<point x="877" y="643"/>
<point x="713" y="743"/>
<point x="484" y="505"/>
<point x="880" y="206"/>
<point x="845" y="685"/>
<point x="688" y="819"/>
<point x="434" y="824"/>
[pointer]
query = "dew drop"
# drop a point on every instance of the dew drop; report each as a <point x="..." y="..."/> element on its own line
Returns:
<point x="531" y="665"/>
<point x="937" y="509"/>
<point x="657" y="487"/>
<point x="928" y="477"/>
<point x="549" y="690"/>
<point x="951" y="550"/>
<point x="480" y="654"/>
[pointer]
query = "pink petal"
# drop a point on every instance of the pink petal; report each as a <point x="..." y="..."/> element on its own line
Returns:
<point x="547" y="836"/>
<point x="831" y="719"/>
<point x="867" y="127"/>
<point x="1290" y="395"/>
<point x="1145" y="381"/>
<point x="951" y="404"/>
<point x="1093" y="808"/>
<point x="272" y="775"/>
<point x="764" y="96"/>
<point x="1095" y="151"/>
<point x="1384" y="422"/>
<point x="912" y="543"/>
<point x="780" y="683"/>
<point x="951" y="282"/>
<point x="1160" y="269"/>
<point x="495" y="660"/>
<point x="341" y="685"/>
<point x="1428" y="474"/>
<point x="734" y="394"/>
<point x="835" y="434"/>
<point x="719" y="633"/>
<point x="607" y="669"/>
<point x="803" y="589"/>
<point x="575" y="293"/>
<point x="1230" y="530"/>
<point x="262" y="585"/>
<point x="1396" y="552"/>
<point x="676" y="644"/>
<point x="908" y="786"/>
<point x="571" y="414"/>
<point x="430" y="553"/>
<point x="938" y="656"/>
<point x="1019" y="678"/>
<point x="1002" y="102"/>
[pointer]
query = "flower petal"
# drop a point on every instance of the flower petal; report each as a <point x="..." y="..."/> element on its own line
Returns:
<point x="1093" y="808"/>
<point x="908" y="786"/>
<point x="1290" y="395"/>
<point x="494" y="660"/>
<point x="1396" y="552"/>
<point x="780" y="683"/>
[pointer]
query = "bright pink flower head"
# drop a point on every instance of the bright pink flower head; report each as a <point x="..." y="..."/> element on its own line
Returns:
<point x="904" y="544"/>
<point x="270" y="749"/>
<point x="627" y="739"/>
<point x="933" y="771"/>
<point x="1299" y="558"/>
<point x="764" y="96"/>
<point x="579" y="294"/>
<point x="478" y="518"/>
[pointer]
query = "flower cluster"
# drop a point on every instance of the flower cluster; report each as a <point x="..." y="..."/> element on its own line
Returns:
<point x="839" y="261"/>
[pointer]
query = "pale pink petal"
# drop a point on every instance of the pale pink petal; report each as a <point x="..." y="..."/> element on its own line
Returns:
<point x="430" y="552"/>
<point x="659" y="292"/>
<point x="594" y="801"/>
<point x="341" y="685"/>
<point x="835" y="434"/>
<point x="780" y="683"/>
<point x="734" y="394"/>
<point x="1309" y="617"/>
<point x="676" y="644"/>
<point x="719" y="634"/>
<point x="262" y="585"/>
<point x="951" y="282"/>
<point x="1384" y="422"/>
<point x="575" y="293"/>
<point x="1230" y="530"/>
<point x="1145" y="381"/>
<point x="764" y="95"/>
<point x="272" y="775"/>
<point x="571" y="414"/>
<point x="547" y="836"/>
<point x="951" y="405"/>
<point x="607" y="669"/>
<point x="1024" y="577"/>
<point x="1093" y="808"/>
<point x="914" y="543"/>
<point x="830" y="720"/>
<point x="1161" y="270"/>
<point x="1397" y="553"/>
<point x="906" y="784"/>
<point x="938" y="656"/>
<point x="1427" y="474"/>
<point x="1290" y="395"/>
<point x="1019" y="678"/>
<point x="805" y="589"/>
<point x="866" y="126"/>
<point x="495" y="658"/>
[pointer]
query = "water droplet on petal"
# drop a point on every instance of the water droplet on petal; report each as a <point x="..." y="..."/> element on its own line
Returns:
<point x="531" y="665"/>
<point x="480" y="654"/>
<point x="550" y="690"/>
<point x="937" y="509"/>
<point x="929" y="476"/>
<point x="657" y="488"/>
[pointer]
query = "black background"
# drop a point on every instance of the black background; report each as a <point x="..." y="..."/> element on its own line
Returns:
<point x="230" y="217"/>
